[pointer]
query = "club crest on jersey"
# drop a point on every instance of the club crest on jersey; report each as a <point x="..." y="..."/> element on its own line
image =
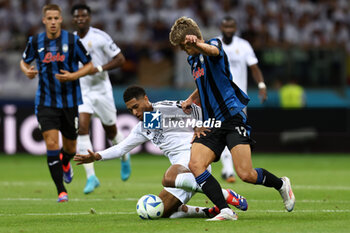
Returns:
<point x="65" y="48"/>
<point x="201" y="59"/>
<point x="198" y="73"/>
<point x="53" y="58"/>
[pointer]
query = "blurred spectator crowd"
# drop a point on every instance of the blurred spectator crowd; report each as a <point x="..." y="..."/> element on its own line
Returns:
<point x="141" y="27"/>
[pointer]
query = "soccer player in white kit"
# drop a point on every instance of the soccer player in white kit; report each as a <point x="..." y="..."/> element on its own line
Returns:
<point x="240" y="54"/>
<point x="179" y="183"/>
<point x="97" y="91"/>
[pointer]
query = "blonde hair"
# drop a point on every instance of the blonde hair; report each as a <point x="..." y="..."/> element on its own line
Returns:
<point x="51" y="7"/>
<point x="183" y="26"/>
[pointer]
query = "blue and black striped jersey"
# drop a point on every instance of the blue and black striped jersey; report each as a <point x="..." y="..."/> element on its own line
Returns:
<point x="220" y="97"/>
<point x="64" y="53"/>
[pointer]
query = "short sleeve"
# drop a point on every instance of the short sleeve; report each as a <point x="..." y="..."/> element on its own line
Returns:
<point x="250" y="57"/>
<point x="29" y="53"/>
<point x="217" y="43"/>
<point x="80" y="51"/>
<point x="110" y="48"/>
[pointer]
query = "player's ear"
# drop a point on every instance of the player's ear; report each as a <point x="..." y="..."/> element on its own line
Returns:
<point x="146" y="98"/>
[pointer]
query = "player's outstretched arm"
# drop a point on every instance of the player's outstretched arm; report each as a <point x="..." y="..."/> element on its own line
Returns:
<point x="201" y="46"/>
<point x="117" y="61"/>
<point x="28" y="70"/>
<point x="89" y="158"/>
<point x="68" y="76"/>
<point x="259" y="79"/>
<point x="186" y="105"/>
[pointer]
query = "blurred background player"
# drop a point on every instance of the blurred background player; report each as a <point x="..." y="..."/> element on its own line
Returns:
<point x="240" y="54"/>
<point x="97" y="91"/>
<point x="179" y="183"/>
<point x="57" y="53"/>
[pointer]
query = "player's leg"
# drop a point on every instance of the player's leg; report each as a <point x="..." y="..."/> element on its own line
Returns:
<point x="201" y="157"/>
<point x="179" y="176"/>
<point x="174" y="200"/>
<point x="54" y="162"/>
<point x="69" y="130"/>
<point x="84" y="144"/>
<point x="116" y="136"/>
<point x="227" y="171"/>
<point x="241" y="154"/>
<point x="49" y="124"/>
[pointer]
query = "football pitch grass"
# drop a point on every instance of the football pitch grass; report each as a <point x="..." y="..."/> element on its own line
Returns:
<point x="28" y="197"/>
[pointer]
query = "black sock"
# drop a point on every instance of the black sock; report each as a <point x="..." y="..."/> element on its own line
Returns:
<point x="267" y="179"/>
<point x="212" y="189"/>
<point x="66" y="157"/>
<point x="55" y="167"/>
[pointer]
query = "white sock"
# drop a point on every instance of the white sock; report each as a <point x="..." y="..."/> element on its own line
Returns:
<point x="83" y="144"/>
<point x="187" y="181"/>
<point x="117" y="139"/>
<point x="227" y="164"/>
<point x="187" y="211"/>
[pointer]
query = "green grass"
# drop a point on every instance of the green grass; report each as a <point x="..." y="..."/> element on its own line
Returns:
<point x="28" y="197"/>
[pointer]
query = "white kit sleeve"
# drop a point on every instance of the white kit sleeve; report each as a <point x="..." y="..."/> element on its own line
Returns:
<point x="109" y="47"/>
<point x="134" y="139"/>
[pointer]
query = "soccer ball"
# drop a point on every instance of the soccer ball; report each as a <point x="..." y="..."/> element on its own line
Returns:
<point x="150" y="207"/>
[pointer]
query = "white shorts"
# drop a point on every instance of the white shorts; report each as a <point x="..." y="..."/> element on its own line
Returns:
<point x="182" y="195"/>
<point x="182" y="158"/>
<point x="100" y="105"/>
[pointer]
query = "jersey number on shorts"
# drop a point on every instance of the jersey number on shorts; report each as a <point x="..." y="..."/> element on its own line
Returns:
<point x="241" y="130"/>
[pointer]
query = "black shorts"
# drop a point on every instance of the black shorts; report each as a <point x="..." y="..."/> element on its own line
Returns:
<point x="232" y="132"/>
<point x="65" y="120"/>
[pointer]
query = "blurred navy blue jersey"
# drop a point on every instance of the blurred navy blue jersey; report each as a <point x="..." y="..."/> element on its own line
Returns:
<point x="51" y="56"/>
<point x="220" y="97"/>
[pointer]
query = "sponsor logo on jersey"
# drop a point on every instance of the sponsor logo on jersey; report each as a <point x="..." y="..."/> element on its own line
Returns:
<point x="53" y="58"/>
<point x="198" y="73"/>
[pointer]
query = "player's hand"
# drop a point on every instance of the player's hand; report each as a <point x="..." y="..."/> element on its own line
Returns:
<point x="31" y="72"/>
<point x="89" y="158"/>
<point x="262" y="94"/>
<point x="191" y="40"/>
<point x="65" y="76"/>
<point x="186" y="106"/>
<point x="93" y="71"/>
<point x="198" y="131"/>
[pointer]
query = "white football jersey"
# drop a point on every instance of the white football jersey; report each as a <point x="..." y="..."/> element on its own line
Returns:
<point x="240" y="55"/>
<point x="102" y="49"/>
<point x="173" y="142"/>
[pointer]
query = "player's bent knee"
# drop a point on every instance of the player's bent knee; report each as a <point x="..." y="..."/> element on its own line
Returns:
<point x="247" y="177"/>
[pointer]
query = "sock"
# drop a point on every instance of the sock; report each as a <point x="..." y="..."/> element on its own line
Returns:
<point x="227" y="164"/>
<point x="187" y="182"/>
<point x="66" y="157"/>
<point x="211" y="188"/>
<point x="55" y="167"/>
<point x="118" y="139"/>
<point x="83" y="144"/>
<point x="267" y="179"/>
<point x="187" y="211"/>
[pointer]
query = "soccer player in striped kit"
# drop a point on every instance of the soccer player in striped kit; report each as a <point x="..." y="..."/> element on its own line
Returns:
<point x="57" y="53"/>
<point x="221" y="99"/>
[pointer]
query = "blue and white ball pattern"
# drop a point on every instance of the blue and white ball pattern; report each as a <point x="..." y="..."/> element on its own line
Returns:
<point x="150" y="207"/>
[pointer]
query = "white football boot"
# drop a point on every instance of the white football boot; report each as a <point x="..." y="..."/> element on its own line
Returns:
<point x="287" y="194"/>
<point x="225" y="215"/>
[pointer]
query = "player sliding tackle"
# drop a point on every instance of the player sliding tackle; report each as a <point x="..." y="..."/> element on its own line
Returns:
<point x="179" y="183"/>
